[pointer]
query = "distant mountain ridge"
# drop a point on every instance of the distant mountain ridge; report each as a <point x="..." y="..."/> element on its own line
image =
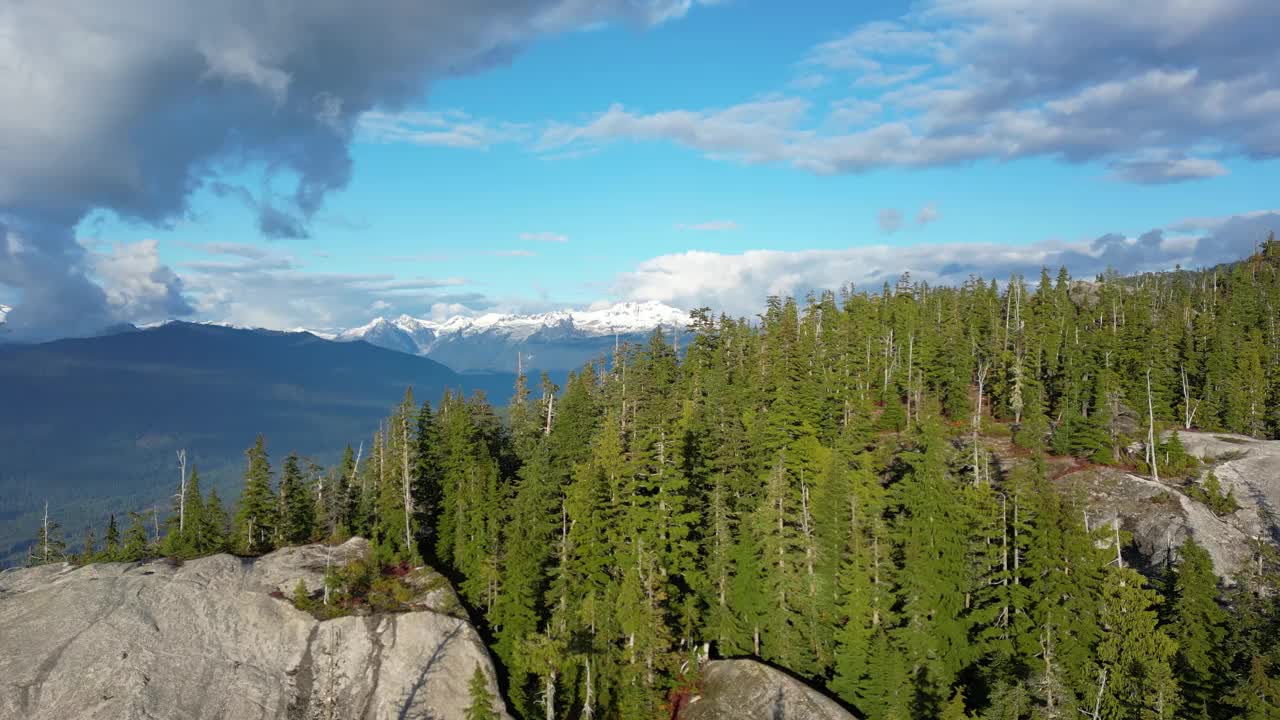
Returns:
<point x="552" y="341"/>
<point x="92" y="424"/>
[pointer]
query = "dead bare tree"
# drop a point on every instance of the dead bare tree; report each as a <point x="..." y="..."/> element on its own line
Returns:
<point x="1188" y="409"/>
<point x="588" y="709"/>
<point x="404" y="474"/>
<point x="977" y="421"/>
<point x="1097" y="701"/>
<point x="182" y="490"/>
<point x="45" y="535"/>
<point x="1151" y="432"/>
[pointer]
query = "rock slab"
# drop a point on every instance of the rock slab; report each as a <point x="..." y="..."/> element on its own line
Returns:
<point x="748" y="690"/>
<point x="206" y="640"/>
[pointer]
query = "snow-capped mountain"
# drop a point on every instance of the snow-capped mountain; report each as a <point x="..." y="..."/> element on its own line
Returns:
<point x="4" y="313"/>
<point x="561" y="340"/>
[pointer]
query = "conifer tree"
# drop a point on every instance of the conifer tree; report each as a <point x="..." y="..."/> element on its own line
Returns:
<point x="213" y="525"/>
<point x="1258" y="695"/>
<point x="481" y="707"/>
<point x="135" y="546"/>
<point x="49" y="547"/>
<point x="1135" y="656"/>
<point x="88" y="547"/>
<point x="257" y="517"/>
<point x="297" y="522"/>
<point x="1198" y="626"/>
<point x="111" y="541"/>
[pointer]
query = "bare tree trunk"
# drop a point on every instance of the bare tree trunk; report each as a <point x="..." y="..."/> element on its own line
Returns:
<point x="551" y="411"/>
<point x="549" y="695"/>
<point x="1151" y="432"/>
<point x="911" y="352"/>
<point x="182" y="490"/>
<point x="807" y="528"/>
<point x="588" y="711"/>
<point x="1115" y="530"/>
<point x="408" y="497"/>
<point x="1097" y="701"/>
<point x="328" y="562"/>
<point x="977" y="421"/>
<point x="1188" y="409"/>
<point x="45" y="552"/>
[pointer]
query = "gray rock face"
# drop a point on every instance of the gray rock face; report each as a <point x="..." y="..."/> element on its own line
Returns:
<point x="748" y="690"/>
<point x="206" y="639"/>
<point x="1159" y="515"/>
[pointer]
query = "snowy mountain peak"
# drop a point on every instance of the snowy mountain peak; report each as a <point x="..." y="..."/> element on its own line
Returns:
<point x="485" y="341"/>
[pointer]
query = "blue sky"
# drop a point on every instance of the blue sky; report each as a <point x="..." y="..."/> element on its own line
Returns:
<point x="583" y="165"/>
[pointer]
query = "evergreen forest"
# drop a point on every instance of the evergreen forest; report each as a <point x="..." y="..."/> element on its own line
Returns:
<point x="853" y="487"/>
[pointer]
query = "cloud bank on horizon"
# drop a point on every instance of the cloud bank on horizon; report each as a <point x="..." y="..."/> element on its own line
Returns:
<point x="737" y="283"/>
<point x="133" y="109"/>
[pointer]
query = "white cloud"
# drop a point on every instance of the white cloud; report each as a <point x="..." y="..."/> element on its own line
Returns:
<point x="738" y="282"/>
<point x="1209" y="224"/>
<point x="810" y="81"/>
<point x="709" y="226"/>
<point x="451" y="128"/>
<point x="852" y="111"/>
<point x="139" y="286"/>
<point x="1165" y="168"/>
<point x="928" y="213"/>
<point x="1142" y="87"/>
<point x="131" y="107"/>
<point x="548" y="237"/>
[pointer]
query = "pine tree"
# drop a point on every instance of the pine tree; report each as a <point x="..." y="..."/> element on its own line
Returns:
<point x="49" y="547"/>
<point x="297" y="522"/>
<point x="136" y="547"/>
<point x="955" y="708"/>
<point x="111" y="544"/>
<point x="1198" y="626"/>
<point x="213" y="525"/>
<point x="481" y="707"/>
<point x="1135" y="655"/>
<point x="1258" y="695"/>
<point x="88" y="547"/>
<point x="256" y="519"/>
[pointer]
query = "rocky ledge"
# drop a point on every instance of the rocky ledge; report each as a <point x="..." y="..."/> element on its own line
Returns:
<point x="215" y="638"/>
<point x="1160" y="515"/>
<point x="749" y="690"/>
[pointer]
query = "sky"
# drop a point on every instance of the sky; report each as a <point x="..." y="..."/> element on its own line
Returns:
<point x="301" y="164"/>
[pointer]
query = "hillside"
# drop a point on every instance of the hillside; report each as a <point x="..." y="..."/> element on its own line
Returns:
<point x="92" y="425"/>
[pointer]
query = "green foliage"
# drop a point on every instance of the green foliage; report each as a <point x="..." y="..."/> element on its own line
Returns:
<point x="257" y="517"/>
<point x="1211" y="494"/>
<point x="803" y="489"/>
<point x="481" y="707"/>
<point x="136" y="546"/>
<point x="1198" y="626"/>
<point x="298" y="519"/>
<point x="49" y="547"/>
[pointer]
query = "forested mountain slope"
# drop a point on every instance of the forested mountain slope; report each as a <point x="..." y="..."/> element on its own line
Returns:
<point x="92" y="425"/>
<point x="877" y="492"/>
